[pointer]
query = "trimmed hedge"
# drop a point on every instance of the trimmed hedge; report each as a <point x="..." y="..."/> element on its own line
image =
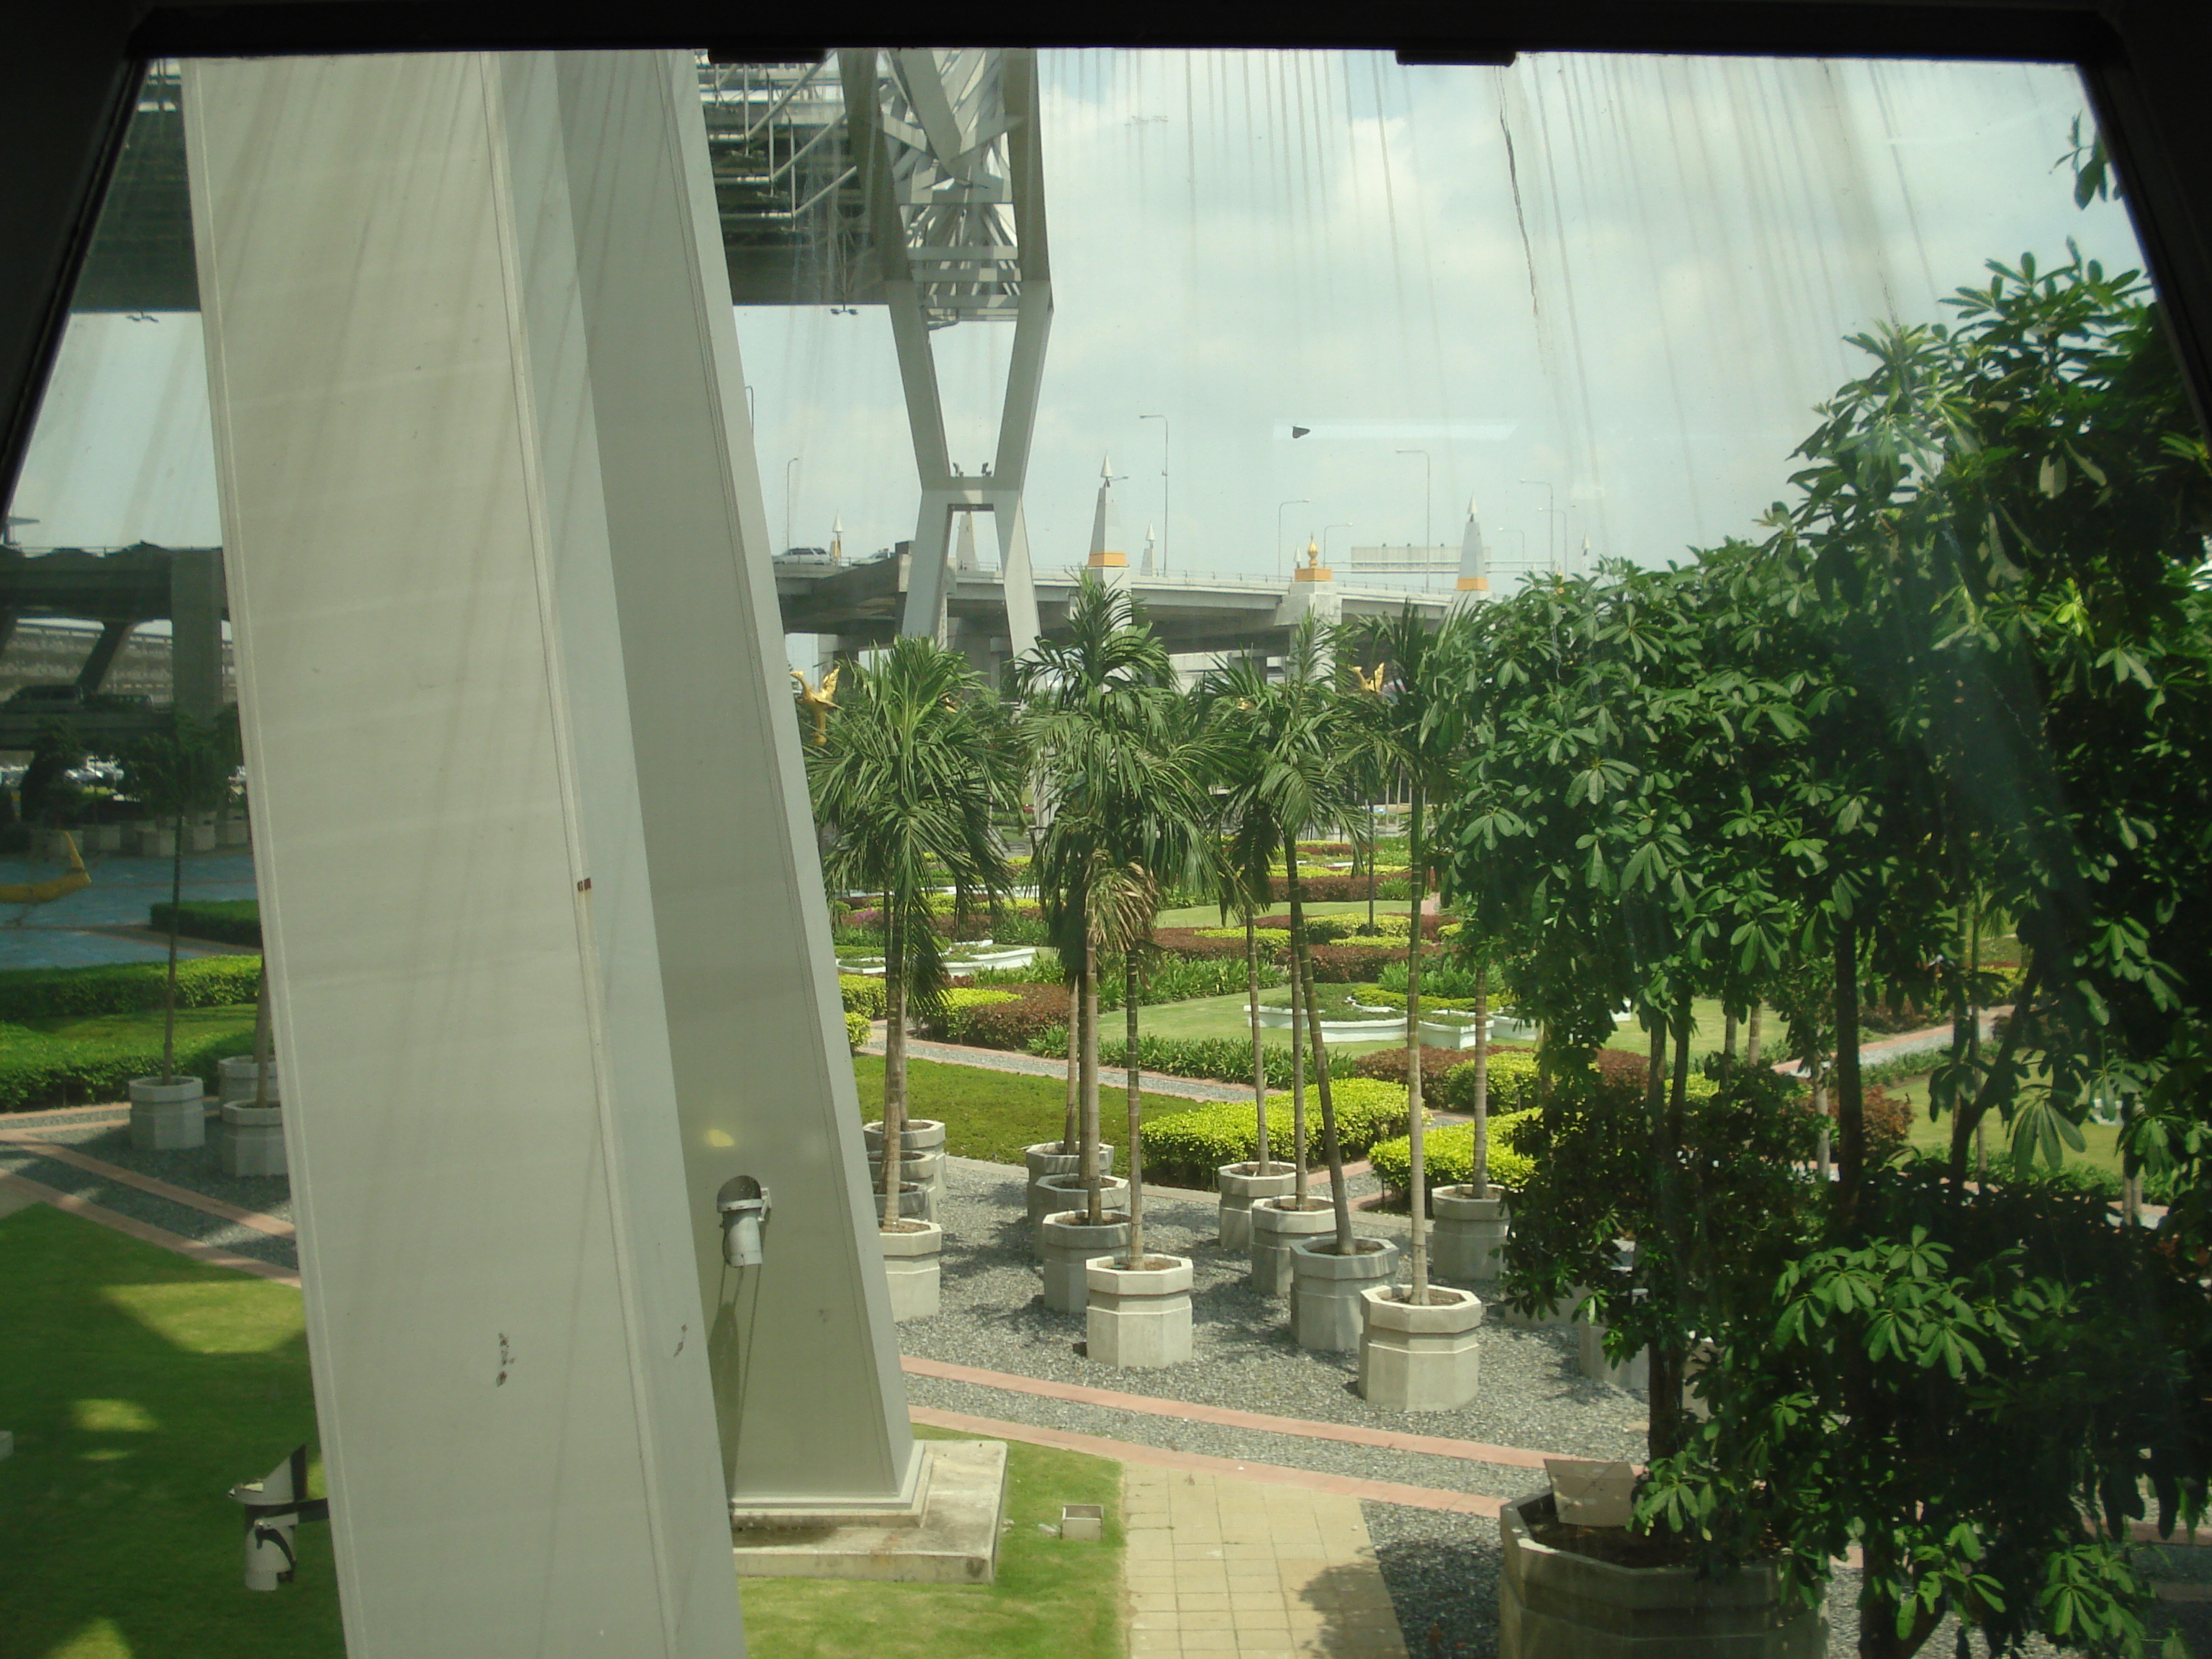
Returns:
<point x="1449" y="1153"/>
<point x="36" y="1072"/>
<point x="1185" y="1149"/>
<point x="856" y="1030"/>
<point x="1014" y="1018"/>
<point x="227" y="922"/>
<point x="132" y="987"/>
<point x="862" y="994"/>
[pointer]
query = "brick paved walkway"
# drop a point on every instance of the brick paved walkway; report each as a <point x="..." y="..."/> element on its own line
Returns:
<point x="1216" y="1565"/>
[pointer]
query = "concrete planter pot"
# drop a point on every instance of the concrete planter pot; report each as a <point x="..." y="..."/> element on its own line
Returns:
<point x="234" y="830"/>
<point x="1070" y="1245"/>
<point x="104" y="838"/>
<point x="252" y="1140"/>
<point x="912" y="1256"/>
<point x="1415" y="1358"/>
<point x="1589" y="1355"/>
<point x="1277" y="1224"/>
<point x="921" y="1134"/>
<point x="1057" y="1193"/>
<point x="1241" y="1184"/>
<point x="156" y="842"/>
<point x="1552" y="1604"/>
<point x="1045" y="1159"/>
<point x="1325" y="1306"/>
<point x="200" y="837"/>
<point x="167" y="1117"/>
<point x="1140" y="1317"/>
<point x="925" y="1170"/>
<point x="912" y="1201"/>
<point x="1467" y="1242"/>
<point x="236" y="1078"/>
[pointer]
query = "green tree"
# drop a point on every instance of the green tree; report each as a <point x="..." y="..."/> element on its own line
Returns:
<point x="907" y="778"/>
<point x="1284" y="746"/>
<point x="182" y="769"/>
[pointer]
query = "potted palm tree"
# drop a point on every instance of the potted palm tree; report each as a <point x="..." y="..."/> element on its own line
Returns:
<point x="1115" y="755"/>
<point x="1417" y="1345"/>
<point x="182" y="769"/>
<point x="1290" y="739"/>
<point x="906" y="780"/>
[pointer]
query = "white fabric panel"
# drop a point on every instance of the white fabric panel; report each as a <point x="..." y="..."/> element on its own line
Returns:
<point x="511" y="1376"/>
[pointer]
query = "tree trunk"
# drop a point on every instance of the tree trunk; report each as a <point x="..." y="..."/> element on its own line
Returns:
<point x="1301" y="1186"/>
<point x="1751" y="1036"/>
<point x="1332" y="1147"/>
<point x="1669" y="1350"/>
<point x="1096" y="1213"/>
<point x="1417" y="1144"/>
<point x="1822" y="1109"/>
<point x="1071" y="1130"/>
<point x="1850" y="1097"/>
<point x="1727" y="1037"/>
<point x="894" y="1069"/>
<point x="1136" y="1167"/>
<point x="1259" y="1049"/>
<point x="169" y="985"/>
<point x="1658" y="1431"/>
<point x="1480" y="1180"/>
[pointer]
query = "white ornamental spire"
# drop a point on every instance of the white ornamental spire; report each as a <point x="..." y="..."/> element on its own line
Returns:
<point x="837" y="539"/>
<point x="1107" y="554"/>
<point x="1151" y="543"/>
<point x="1473" y="557"/>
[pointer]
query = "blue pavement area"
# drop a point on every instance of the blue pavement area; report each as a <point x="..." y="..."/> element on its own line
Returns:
<point x="58" y="934"/>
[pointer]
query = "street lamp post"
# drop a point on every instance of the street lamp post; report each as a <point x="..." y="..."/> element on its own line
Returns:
<point x="1165" y="503"/>
<point x="1301" y="502"/>
<point x="1428" y="489"/>
<point x="1552" y="514"/>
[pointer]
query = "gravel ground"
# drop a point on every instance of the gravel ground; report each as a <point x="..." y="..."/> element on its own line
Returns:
<point x="200" y="1169"/>
<point x="994" y="1318"/>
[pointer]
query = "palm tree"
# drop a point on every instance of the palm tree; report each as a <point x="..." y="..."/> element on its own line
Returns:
<point x="1126" y="770"/>
<point x="907" y="778"/>
<point x="179" y="771"/>
<point x="1286" y="743"/>
<point x="1409" y="713"/>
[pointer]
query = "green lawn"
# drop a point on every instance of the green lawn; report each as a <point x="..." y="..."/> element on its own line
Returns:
<point x="140" y="1387"/>
<point x="1054" y="1599"/>
<point x="994" y="1115"/>
<point x="2102" y="1150"/>
<point x="1708" y="1025"/>
<point x="193" y="1025"/>
<point x="1220" y="1016"/>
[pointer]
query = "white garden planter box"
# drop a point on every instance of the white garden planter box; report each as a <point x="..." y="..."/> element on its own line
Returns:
<point x="252" y="1140"/>
<point x="1139" y="1318"/>
<point x="1241" y="1184"/>
<point x="1326" y="1305"/>
<point x="912" y="1257"/>
<point x="1070" y="1245"/>
<point x="1045" y="1158"/>
<point x="1062" y="1193"/>
<point x="1467" y="1242"/>
<point x="1433" y="1034"/>
<point x="1276" y="1226"/>
<point x="167" y="1117"/>
<point x="1417" y="1359"/>
<point x="1552" y="1604"/>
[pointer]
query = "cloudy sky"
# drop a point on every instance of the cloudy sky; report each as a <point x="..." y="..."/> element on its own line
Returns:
<point x="1615" y="287"/>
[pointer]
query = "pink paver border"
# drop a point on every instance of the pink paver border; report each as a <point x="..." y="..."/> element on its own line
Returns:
<point x="184" y="1195"/>
<point x="71" y="1204"/>
<point x="1273" y="1474"/>
<point x="1473" y="1451"/>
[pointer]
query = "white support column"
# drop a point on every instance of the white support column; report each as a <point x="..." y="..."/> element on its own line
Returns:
<point x="422" y="460"/>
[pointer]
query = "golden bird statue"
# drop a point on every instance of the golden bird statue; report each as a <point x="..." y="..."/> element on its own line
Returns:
<point x="819" y="699"/>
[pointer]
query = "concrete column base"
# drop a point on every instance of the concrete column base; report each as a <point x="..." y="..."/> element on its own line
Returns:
<point x="912" y="1256"/>
<point x="1468" y="1244"/>
<point x="953" y="1539"/>
<point x="1139" y="1318"/>
<point x="167" y="1117"/>
<point x="1070" y="1245"/>
<point x="251" y="1140"/>
<point x="1276" y="1226"/>
<point x="1326" y="1308"/>
<point x="1241" y="1184"/>
<point x="1045" y="1159"/>
<point x="1061" y="1193"/>
<point x="1415" y="1358"/>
